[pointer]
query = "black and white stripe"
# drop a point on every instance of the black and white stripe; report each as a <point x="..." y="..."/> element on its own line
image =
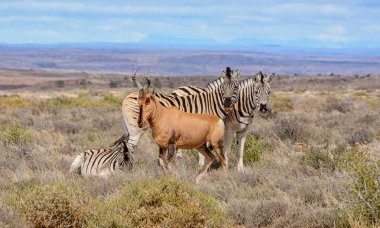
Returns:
<point x="253" y="96"/>
<point x="101" y="162"/>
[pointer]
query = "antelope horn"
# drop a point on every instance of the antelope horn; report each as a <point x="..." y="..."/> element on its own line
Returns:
<point x="137" y="83"/>
<point x="147" y="79"/>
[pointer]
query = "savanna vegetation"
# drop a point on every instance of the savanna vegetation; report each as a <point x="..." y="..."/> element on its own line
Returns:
<point x="314" y="162"/>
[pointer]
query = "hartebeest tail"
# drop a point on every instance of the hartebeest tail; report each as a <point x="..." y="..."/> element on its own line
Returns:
<point x="174" y="128"/>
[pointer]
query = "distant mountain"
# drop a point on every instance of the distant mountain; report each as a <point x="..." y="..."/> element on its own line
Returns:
<point x="190" y="60"/>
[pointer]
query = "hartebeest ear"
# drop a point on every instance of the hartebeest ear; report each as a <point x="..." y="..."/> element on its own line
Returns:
<point x="154" y="93"/>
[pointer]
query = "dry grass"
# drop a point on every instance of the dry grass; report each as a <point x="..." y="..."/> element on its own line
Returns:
<point x="304" y="165"/>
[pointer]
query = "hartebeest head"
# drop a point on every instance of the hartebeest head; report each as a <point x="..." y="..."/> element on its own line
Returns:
<point x="230" y="88"/>
<point x="147" y="106"/>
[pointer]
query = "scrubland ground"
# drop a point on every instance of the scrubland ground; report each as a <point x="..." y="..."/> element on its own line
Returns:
<point x="314" y="162"/>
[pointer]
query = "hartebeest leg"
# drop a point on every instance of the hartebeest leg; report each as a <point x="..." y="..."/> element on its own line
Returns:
<point x="209" y="160"/>
<point x="218" y="148"/>
<point x="162" y="160"/>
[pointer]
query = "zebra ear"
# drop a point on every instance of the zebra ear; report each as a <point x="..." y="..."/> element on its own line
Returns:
<point x="222" y="73"/>
<point x="237" y="74"/>
<point x="229" y="72"/>
<point x="258" y="77"/>
<point x="270" y="78"/>
<point x="262" y="77"/>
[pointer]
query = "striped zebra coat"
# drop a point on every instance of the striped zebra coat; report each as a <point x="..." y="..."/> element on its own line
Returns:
<point x="253" y="96"/>
<point x="101" y="162"/>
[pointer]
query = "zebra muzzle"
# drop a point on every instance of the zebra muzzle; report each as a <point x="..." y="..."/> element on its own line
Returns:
<point x="263" y="108"/>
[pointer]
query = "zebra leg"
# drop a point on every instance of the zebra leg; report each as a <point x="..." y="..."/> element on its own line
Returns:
<point x="241" y="141"/>
<point x="77" y="163"/>
<point x="228" y="137"/>
<point x="179" y="154"/>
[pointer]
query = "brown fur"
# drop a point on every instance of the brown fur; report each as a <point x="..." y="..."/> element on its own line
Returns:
<point x="183" y="130"/>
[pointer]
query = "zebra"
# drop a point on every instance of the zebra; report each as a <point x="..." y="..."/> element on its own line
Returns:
<point x="210" y="100"/>
<point x="254" y="93"/>
<point x="102" y="162"/>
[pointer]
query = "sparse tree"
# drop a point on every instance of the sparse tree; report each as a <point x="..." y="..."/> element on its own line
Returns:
<point x="60" y="84"/>
<point x="157" y="83"/>
<point x="113" y="84"/>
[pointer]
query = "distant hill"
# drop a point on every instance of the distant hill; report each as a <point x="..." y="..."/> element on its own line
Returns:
<point x="182" y="60"/>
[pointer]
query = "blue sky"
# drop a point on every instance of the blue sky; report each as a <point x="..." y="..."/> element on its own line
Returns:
<point x="339" y="23"/>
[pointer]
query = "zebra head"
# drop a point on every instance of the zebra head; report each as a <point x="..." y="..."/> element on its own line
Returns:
<point x="230" y="88"/>
<point x="262" y="91"/>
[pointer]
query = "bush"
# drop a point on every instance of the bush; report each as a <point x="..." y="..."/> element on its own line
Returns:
<point x="319" y="159"/>
<point x="50" y="205"/>
<point x="166" y="202"/>
<point x="361" y="136"/>
<point x="83" y="100"/>
<point x="281" y="103"/>
<point x="253" y="148"/>
<point x="338" y="105"/>
<point x="364" y="188"/>
<point x="14" y="102"/>
<point x="292" y="128"/>
<point x="365" y="192"/>
<point x="16" y="135"/>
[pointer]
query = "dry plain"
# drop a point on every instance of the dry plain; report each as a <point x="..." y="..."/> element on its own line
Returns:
<point x="314" y="162"/>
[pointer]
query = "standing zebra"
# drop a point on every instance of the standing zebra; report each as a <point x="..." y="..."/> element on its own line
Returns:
<point x="253" y="96"/>
<point x="102" y="162"/>
<point x="218" y="95"/>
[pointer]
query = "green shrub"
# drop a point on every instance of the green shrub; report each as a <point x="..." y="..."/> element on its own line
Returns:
<point x="253" y="148"/>
<point x="14" y="102"/>
<point x="17" y="134"/>
<point x="165" y="202"/>
<point x="346" y="158"/>
<point x="54" y="205"/>
<point x="364" y="187"/>
<point x="319" y="159"/>
<point x="365" y="192"/>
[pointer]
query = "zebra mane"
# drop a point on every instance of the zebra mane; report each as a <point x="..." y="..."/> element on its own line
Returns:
<point x="214" y="84"/>
<point x="247" y="82"/>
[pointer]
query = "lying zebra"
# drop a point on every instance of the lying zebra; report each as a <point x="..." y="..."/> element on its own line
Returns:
<point x="102" y="162"/>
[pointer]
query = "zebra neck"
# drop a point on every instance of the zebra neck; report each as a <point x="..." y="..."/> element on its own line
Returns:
<point x="246" y="104"/>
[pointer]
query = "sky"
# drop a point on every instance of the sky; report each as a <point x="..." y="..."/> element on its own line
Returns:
<point x="317" y="24"/>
